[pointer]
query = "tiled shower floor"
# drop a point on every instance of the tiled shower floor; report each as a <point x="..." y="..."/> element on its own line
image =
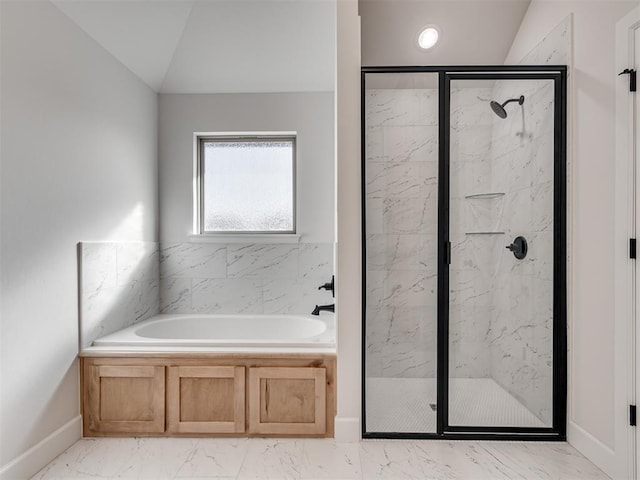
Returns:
<point x="404" y="405"/>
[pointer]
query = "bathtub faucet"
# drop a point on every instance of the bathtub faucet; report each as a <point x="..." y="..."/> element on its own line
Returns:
<point x="327" y="308"/>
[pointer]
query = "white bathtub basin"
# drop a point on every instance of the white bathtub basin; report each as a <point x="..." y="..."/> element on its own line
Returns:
<point x="226" y="331"/>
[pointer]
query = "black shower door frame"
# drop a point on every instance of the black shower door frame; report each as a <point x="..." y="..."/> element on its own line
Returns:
<point x="558" y="74"/>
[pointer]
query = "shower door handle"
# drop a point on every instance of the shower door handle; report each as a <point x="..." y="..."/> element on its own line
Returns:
<point x="447" y="253"/>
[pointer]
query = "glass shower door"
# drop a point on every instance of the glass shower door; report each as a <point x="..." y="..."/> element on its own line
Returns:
<point x="400" y="168"/>
<point x="501" y="272"/>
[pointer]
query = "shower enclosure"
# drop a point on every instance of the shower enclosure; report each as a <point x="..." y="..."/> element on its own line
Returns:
<point x="464" y="252"/>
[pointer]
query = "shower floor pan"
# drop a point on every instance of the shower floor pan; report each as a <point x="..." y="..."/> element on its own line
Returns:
<point x="404" y="405"/>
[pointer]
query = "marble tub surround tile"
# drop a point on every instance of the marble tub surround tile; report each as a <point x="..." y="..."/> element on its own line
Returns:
<point x="137" y="262"/>
<point x="110" y="309"/>
<point x="274" y="261"/>
<point x="193" y="260"/>
<point x="256" y="278"/>
<point x="315" y="260"/>
<point x="175" y="295"/>
<point x="229" y="295"/>
<point x="98" y="265"/>
<point x="294" y="295"/>
<point x="118" y="286"/>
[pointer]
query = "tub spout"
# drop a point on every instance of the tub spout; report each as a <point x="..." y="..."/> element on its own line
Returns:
<point x="327" y="308"/>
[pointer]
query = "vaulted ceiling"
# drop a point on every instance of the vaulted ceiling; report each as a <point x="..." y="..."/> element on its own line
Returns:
<point x="216" y="46"/>
<point x="234" y="46"/>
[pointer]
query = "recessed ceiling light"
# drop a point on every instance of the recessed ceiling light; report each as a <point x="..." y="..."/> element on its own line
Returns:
<point x="428" y="37"/>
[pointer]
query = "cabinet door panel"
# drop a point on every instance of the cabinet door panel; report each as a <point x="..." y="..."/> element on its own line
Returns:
<point x="206" y="399"/>
<point x="287" y="400"/>
<point x="125" y="399"/>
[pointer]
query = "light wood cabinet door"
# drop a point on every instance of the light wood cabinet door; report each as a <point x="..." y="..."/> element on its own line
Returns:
<point x="287" y="400"/>
<point x="125" y="399"/>
<point x="206" y="399"/>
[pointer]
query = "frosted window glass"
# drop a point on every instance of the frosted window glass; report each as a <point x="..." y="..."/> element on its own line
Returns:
<point x="248" y="186"/>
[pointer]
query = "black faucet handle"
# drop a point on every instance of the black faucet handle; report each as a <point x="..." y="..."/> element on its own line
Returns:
<point x="329" y="286"/>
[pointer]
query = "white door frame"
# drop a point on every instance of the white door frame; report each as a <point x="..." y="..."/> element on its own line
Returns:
<point x="625" y="221"/>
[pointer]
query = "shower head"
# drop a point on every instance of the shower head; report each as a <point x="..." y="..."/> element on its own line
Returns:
<point x="499" y="110"/>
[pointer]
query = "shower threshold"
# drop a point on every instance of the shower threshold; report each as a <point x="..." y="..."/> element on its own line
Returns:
<point x="403" y="405"/>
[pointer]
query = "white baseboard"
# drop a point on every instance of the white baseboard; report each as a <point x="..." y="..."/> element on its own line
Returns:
<point x="31" y="462"/>
<point x="592" y="448"/>
<point x="347" y="429"/>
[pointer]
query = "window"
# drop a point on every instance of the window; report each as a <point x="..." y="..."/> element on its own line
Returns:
<point x="246" y="184"/>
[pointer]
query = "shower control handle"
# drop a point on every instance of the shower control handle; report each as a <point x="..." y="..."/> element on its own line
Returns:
<point x="330" y="286"/>
<point x="518" y="247"/>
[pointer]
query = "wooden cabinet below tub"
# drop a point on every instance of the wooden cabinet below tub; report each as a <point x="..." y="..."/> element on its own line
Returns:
<point x="208" y="394"/>
<point x="206" y="399"/>
<point x="123" y="399"/>
<point x="287" y="400"/>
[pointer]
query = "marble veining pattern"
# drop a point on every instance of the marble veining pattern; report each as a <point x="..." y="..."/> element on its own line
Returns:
<point x="118" y="286"/>
<point x="402" y="205"/>
<point x="307" y="459"/>
<point x="244" y="278"/>
<point x="500" y="308"/>
<point x="521" y="333"/>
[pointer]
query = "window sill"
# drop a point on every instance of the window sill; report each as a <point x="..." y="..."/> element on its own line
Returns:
<point x="246" y="238"/>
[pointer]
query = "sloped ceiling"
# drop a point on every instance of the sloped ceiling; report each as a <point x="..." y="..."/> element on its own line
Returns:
<point x="143" y="35"/>
<point x="232" y="46"/>
<point x="473" y="32"/>
<point x="216" y="46"/>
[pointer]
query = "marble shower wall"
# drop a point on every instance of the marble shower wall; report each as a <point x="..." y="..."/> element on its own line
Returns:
<point x="521" y="336"/>
<point x="472" y="269"/>
<point x="522" y="158"/>
<point x="118" y="286"/>
<point x="401" y="243"/>
<point x="244" y="278"/>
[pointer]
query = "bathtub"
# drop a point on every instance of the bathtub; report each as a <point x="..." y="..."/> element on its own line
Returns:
<point x="225" y="331"/>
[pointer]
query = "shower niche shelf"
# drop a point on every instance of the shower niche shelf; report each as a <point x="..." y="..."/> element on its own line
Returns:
<point x="485" y="195"/>
<point x="484" y="233"/>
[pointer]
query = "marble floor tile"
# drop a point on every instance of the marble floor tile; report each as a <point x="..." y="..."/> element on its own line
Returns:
<point x="272" y="459"/>
<point x="157" y="458"/>
<point x="317" y="459"/>
<point x="330" y="460"/>
<point x="91" y="458"/>
<point x="544" y="461"/>
<point x="390" y="460"/>
<point x="215" y="457"/>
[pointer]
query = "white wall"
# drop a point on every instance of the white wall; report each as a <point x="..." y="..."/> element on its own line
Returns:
<point x="348" y="221"/>
<point x="78" y="151"/>
<point x="592" y="410"/>
<point x="309" y="114"/>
